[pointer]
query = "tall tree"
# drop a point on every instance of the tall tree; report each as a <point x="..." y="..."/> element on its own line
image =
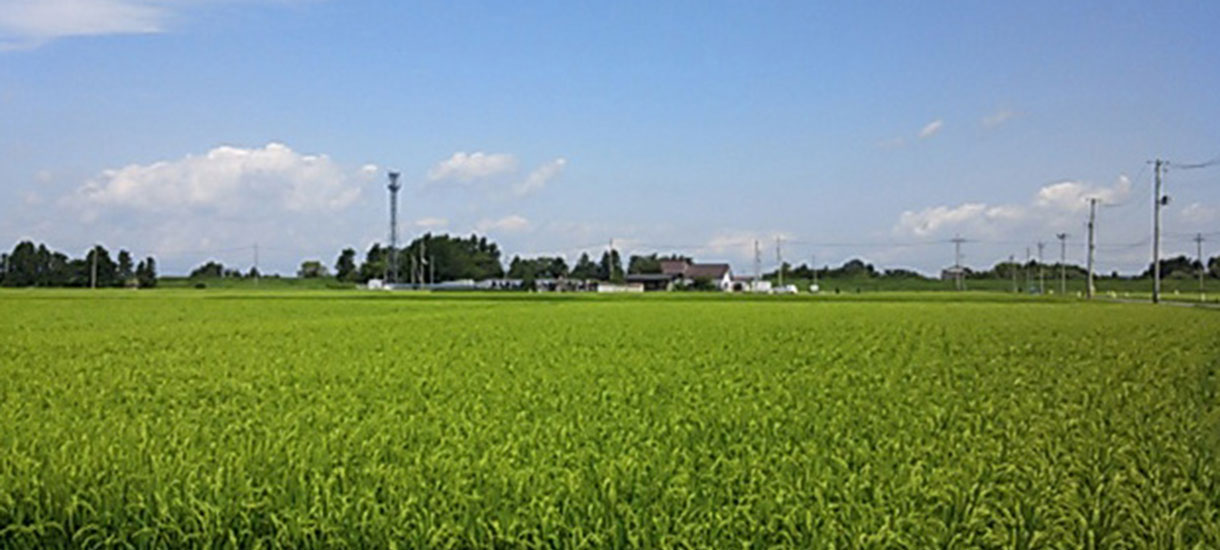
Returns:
<point x="611" y="267"/>
<point x="146" y="273"/>
<point x="98" y="262"/>
<point x="126" y="270"/>
<point x="584" y="268"/>
<point x="345" y="266"/>
<point x="449" y="257"/>
<point x="643" y="264"/>
<point x="375" y="262"/>
<point x="311" y="269"/>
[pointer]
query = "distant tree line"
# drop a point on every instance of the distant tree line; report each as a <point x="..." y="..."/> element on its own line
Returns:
<point x="427" y="258"/>
<point x="30" y="265"/>
<point x="1180" y="267"/>
<point x="436" y="258"/>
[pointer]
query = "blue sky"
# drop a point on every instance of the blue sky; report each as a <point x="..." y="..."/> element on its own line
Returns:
<point x="193" y="129"/>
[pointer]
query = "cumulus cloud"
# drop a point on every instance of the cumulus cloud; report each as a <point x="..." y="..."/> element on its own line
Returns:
<point x="1072" y="196"/>
<point x="931" y="129"/>
<point x="468" y="167"/>
<point x="997" y="118"/>
<point x="510" y="223"/>
<point x="539" y="178"/>
<point x="1053" y="205"/>
<point x="225" y="180"/>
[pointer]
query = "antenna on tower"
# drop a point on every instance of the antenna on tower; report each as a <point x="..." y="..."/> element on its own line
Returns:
<point x="392" y="274"/>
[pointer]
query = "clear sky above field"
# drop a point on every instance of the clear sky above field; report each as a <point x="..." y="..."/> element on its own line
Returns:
<point x="195" y="129"/>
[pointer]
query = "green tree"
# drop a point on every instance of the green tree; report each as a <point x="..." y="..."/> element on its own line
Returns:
<point x="584" y="268"/>
<point x="106" y="270"/>
<point x="345" y="266"/>
<point x="146" y="273"/>
<point x="311" y="269"/>
<point x="209" y="270"/>
<point x="22" y="265"/>
<point x="449" y="258"/>
<point x="643" y="264"/>
<point x="375" y="262"/>
<point x="611" y="267"/>
<point x="126" y="269"/>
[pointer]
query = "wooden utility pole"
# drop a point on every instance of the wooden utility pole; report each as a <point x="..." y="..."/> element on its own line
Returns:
<point x="957" y="261"/>
<point x="779" y="256"/>
<point x="1041" y="271"/>
<point x="1202" y="263"/>
<point x="1012" y="268"/>
<point x="1092" y="219"/>
<point x="1063" y="254"/>
<point x="1157" y="202"/>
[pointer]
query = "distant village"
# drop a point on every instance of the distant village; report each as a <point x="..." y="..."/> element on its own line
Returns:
<point x="675" y="274"/>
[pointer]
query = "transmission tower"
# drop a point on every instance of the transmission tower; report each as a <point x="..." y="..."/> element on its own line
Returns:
<point x="394" y="186"/>
<point x="957" y="241"/>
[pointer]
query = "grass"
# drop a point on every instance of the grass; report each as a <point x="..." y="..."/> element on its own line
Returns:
<point x="179" y="418"/>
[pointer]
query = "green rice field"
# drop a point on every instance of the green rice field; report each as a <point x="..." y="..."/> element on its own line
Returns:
<point x="353" y="419"/>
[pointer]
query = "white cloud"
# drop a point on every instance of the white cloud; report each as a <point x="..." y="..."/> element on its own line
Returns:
<point x="510" y="223"/>
<point x="931" y="128"/>
<point x="739" y="245"/>
<point x="27" y="24"/>
<point x="467" y="167"/>
<point x="929" y="220"/>
<point x="1053" y="206"/>
<point x="540" y="177"/>
<point x="997" y="118"/>
<point x="431" y="222"/>
<point x="226" y="180"/>
<point x="1072" y="196"/>
<point x="1199" y="214"/>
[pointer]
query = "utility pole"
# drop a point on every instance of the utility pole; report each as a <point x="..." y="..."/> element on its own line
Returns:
<point x="1041" y="271"/>
<point x="1012" y="269"/>
<point x="1157" y="201"/>
<point x="813" y="264"/>
<point x="779" y="256"/>
<point x="93" y="271"/>
<point x="1202" y="264"/>
<point x="757" y="264"/>
<point x="1025" y="269"/>
<point x="256" y="273"/>
<point x="957" y="261"/>
<point x="1092" y="219"/>
<point x="1063" y="254"/>
<point x="423" y="260"/>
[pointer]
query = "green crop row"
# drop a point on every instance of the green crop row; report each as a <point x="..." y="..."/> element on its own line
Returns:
<point x="183" y="419"/>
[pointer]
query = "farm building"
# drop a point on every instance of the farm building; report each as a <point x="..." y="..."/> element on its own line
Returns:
<point x="675" y="273"/>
